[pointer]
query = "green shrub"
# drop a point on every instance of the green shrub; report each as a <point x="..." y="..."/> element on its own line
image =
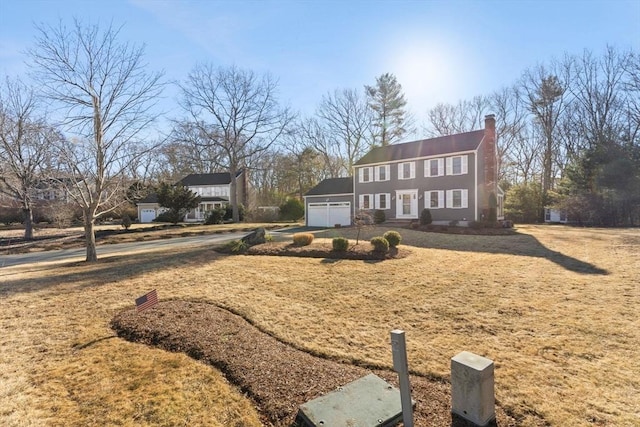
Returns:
<point x="425" y="217"/>
<point x="229" y="212"/>
<point x="291" y="210"/>
<point x="302" y="239"/>
<point x="380" y="244"/>
<point x="340" y="244"/>
<point x="168" y="216"/>
<point x="379" y="217"/>
<point x="216" y="216"/>
<point x="125" y="221"/>
<point x="393" y="237"/>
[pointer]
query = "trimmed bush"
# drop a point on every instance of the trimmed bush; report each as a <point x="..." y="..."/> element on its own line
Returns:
<point x="393" y="237"/>
<point x="302" y="239"/>
<point x="425" y="217"/>
<point x="340" y="244"/>
<point x="125" y="221"/>
<point x="380" y="245"/>
<point x="216" y="216"/>
<point x="379" y="217"/>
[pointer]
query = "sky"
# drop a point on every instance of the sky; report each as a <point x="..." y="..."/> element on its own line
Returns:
<point x="440" y="51"/>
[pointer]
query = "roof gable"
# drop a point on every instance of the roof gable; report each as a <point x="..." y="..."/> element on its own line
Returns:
<point x="467" y="141"/>
<point x="332" y="186"/>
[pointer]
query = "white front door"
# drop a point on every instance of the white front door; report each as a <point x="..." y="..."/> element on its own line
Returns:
<point x="407" y="204"/>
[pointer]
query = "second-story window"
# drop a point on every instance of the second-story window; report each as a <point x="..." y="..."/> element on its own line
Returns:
<point x="434" y="167"/>
<point x="382" y="173"/>
<point x="457" y="165"/>
<point x="407" y="170"/>
<point x="366" y="174"/>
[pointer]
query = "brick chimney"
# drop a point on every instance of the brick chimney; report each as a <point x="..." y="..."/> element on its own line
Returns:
<point x="489" y="157"/>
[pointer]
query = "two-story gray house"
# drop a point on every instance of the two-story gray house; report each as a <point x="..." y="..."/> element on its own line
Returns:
<point x="453" y="176"/>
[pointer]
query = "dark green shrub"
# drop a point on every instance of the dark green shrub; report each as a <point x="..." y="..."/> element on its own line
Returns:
<point x="125" y="221"/>
<point x="168" y="216"/>
<point x="379" y="217"/>
<point x="216" y="216"/>
<point x="291" y="210"/>
<point x="393" y="237"/>
<point x="340" y="244"/>
<point x="302" y="239"/>
<point x="425" y="217"/>
<point x="380" y="244"/>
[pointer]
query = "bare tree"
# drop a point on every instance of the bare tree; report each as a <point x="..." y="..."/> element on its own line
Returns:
<point x="237" y="112"/>
<point x="449" y="119"/>
<point x="347" y="124"/>
<point x="105" y="98"/>
<point x="25" y="147"/>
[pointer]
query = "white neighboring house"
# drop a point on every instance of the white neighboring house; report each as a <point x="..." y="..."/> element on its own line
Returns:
<point x="552" y="215"/>
<point x="213" y="188"/>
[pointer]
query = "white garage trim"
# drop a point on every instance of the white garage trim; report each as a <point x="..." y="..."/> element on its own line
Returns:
<point x="328" y="214"/>
<point x="147" y="215"/>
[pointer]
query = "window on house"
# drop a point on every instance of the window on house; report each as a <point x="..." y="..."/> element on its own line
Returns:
<point x="457" y="165"/>
<point x="457" y="199"/>
<point x="366" y="174"/>
<point x="382" y="173"/>
<point x="366" y="201"/>
<point x="383" y="201"/>
<point x="434" y="199"/>
<point x="547" y="214"/>
<point x="434" y="167"/>
<point x="407" y="170"/>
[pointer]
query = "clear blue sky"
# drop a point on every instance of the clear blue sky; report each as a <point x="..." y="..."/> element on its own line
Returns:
<point x="440" y="51"/>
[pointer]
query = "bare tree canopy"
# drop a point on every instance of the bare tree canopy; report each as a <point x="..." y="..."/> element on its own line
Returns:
<point x="387" y="101"/>
<point x="25" y="147"/>
<point x="104" y="96"/>
<point x="236" y="113"/>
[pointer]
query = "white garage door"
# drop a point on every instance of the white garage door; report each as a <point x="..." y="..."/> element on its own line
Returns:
<point x="328" y="214"/>
<point x="147" y="215"/>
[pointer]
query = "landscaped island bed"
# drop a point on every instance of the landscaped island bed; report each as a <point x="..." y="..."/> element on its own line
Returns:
<point x="276" y="376"/>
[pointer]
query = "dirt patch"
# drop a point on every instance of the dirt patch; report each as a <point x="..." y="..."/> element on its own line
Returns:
<point x="277" y="377"/>
<point x="325" y="250"/>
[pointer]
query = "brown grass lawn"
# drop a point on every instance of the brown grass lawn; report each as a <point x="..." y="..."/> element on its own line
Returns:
<point x="556" y="308"/>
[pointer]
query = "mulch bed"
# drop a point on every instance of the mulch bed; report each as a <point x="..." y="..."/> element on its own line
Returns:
<point x="361" y="251"/>
<point x="277" y="377"/>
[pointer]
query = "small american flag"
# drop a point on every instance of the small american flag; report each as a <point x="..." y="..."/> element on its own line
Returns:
<point x="148" y="300"/>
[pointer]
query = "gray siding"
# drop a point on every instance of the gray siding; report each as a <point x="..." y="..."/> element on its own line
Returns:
<point x="422" y="184"/>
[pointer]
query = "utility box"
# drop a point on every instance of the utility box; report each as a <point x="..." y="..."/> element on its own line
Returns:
<point x="472" y="388"/>
<point x="367" y="402"/>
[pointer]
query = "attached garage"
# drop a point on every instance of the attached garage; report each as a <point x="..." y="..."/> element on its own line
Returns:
<point x="328" y="214"/>
<point x="330" y="203"/>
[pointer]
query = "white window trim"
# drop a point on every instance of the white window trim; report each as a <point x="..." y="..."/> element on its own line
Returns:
<point x="387" y="171"/>
<point x="427" y="199"/>
<point x="361" y="174"/>
<point x="464" y="165"/>
<point x="427" y="168"/>
<point x="361" y="201"/>
<point x="464" y="198"/>
<point x="387" y="200"/>
<point x="412" y="170"/>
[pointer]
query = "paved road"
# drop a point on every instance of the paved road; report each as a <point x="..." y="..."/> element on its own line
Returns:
<point x="80" y="253"/>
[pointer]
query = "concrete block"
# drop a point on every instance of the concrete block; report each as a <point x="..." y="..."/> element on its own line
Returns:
<point x="472" y="388"/>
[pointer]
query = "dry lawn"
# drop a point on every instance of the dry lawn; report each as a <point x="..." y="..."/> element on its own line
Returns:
<point x="556" y="308"/>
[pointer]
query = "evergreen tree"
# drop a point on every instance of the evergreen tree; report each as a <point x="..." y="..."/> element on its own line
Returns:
<point x="387" y="102"/>
<point x="178" y="199"/>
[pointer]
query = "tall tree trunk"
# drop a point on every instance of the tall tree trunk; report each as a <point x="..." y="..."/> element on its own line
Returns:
<point x="89" y="235"/>
<point x="233" y="193"/>
<point x="28" y="223"/>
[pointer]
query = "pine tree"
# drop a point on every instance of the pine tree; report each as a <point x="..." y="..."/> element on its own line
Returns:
<point x="387" y="103"/>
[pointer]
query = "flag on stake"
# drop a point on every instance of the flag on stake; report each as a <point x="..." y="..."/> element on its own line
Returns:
<point x="148" y="300"/>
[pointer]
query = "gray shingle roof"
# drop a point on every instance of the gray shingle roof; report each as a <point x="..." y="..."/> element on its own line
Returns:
<point x="467" y="141"/>
<point x="332" y="186"/>
<point x="219" y="178"/>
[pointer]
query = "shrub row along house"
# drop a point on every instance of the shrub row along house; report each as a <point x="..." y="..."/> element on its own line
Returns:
<point x="214" y="190"/>
<point x="453" y="176"/>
